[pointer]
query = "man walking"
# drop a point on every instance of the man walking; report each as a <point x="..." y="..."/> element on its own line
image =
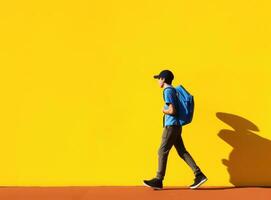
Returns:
<point x="171" y="135"/>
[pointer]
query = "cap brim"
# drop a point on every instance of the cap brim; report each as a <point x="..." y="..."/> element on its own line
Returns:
<point x="156" y="76"/>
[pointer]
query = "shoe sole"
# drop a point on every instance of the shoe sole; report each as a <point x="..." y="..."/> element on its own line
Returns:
<point x="156" y="188"/>
<point x="199" y="184"/>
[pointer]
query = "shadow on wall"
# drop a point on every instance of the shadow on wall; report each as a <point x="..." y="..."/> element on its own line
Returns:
<point x="249" y="163"/>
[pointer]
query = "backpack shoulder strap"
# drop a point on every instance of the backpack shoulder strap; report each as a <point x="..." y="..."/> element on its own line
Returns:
<point x="168" y="88"/>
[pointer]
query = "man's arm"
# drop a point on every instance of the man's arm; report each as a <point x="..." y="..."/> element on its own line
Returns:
<point x="171" y="109"/>
<point x="169" y="100"/>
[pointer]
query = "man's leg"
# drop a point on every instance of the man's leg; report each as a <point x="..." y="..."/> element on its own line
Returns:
<point x="182" y="152"/>
<point x="200" y="178"/>
<point x="168" y="139"/>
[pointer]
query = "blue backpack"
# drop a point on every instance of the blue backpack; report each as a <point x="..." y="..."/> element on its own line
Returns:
<point x="185" y="105"/>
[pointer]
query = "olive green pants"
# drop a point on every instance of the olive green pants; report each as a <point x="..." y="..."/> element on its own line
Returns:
<point x="172" y="136"/>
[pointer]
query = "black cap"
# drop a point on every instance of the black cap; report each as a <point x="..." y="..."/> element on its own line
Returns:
<point x="167" y="74"/>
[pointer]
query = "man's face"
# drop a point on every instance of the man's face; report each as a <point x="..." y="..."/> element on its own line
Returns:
<point x="161" y="82"/>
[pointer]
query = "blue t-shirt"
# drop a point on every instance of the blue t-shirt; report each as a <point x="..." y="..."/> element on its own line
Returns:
<point x="171" y="97"/>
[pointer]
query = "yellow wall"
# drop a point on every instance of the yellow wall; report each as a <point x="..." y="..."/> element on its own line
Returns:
<point x="79" y="105"/>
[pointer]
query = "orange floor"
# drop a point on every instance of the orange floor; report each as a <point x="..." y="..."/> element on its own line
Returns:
<point x="132" y="193"/>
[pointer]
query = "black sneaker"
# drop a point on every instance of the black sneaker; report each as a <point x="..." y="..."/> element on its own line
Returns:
<point x="200" y="179"/>
<point x="154" y="183"/>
